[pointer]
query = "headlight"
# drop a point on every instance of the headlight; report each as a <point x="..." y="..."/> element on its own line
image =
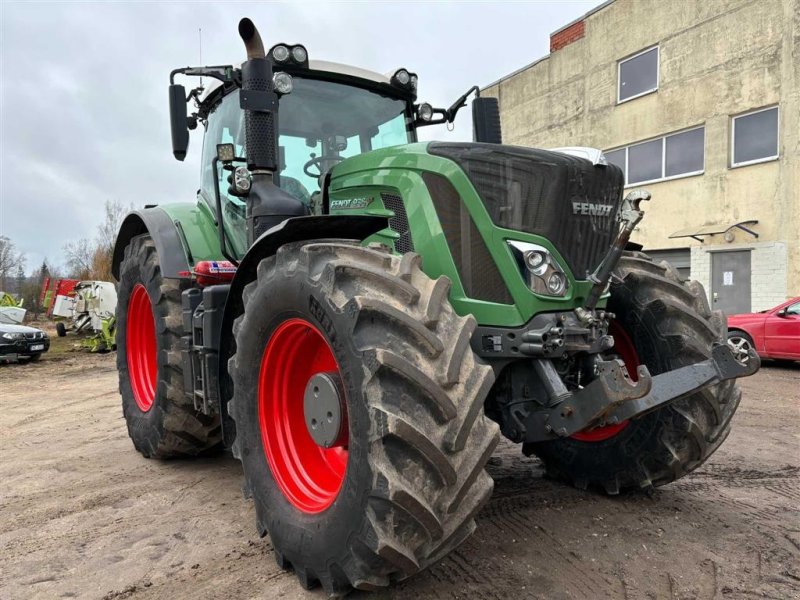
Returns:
<point x="282" y="82"/>
<point x="536" y="261"/>
<point x="402" y="76"/>
<point x="13" y="336"/>
<point x="540" y="269"/>
<point x="556" y="283"/>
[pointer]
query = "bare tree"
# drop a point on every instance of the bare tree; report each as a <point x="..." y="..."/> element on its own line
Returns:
<point x="101" y="264"/>
<point x="107" y="230"/>
<point x="10" y="261"/>
<point x="106" y="237"/>
<point x="78" y="255"/>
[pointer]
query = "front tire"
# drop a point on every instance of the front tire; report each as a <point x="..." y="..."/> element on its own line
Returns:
<point x="670" y="325"/>
<point x="407" y="479"/>
<point x="162" y="422"/>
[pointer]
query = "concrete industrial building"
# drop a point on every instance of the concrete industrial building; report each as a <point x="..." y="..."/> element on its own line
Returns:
<point x="699" y="102"/>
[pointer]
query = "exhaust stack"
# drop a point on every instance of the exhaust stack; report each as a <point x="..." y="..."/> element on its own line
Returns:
<point x="267" y="204"/>
<point x="252" y="39"/>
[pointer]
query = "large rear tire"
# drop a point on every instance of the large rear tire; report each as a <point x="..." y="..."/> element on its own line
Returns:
<point x="161" y="421"/>
<point x="402" y="486"/>
<point x="670" y="325"/>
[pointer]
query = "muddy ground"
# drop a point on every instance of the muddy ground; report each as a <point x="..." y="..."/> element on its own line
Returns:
<point x="84" y="516"/>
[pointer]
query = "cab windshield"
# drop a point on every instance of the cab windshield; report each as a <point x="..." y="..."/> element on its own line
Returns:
<point x="321" y="124"/>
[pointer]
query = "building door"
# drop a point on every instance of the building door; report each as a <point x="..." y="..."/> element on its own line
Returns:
<point x="730" y="281"/>
<point x="678" y="258"/>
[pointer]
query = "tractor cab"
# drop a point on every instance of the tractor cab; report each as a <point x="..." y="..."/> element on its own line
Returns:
<point x="328" y="112"/>
<point x="321" y="113"/>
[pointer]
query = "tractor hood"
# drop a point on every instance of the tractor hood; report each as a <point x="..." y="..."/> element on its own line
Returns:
<point x="565" y="199"/>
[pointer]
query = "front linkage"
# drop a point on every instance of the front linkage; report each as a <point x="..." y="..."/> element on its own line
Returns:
<point x="611" y="397"/>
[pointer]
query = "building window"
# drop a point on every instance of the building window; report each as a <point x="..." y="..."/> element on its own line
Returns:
<point x="755" y="137"/>
<point x="669" y="157"/>
<point x="638" y="75"/>
<point x="684" y="152"/>
<point x="617" y="157"/>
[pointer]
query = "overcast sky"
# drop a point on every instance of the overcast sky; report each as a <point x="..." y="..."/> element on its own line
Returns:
<point x="84" y="88"/>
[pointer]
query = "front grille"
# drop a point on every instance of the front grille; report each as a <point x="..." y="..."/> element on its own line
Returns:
<point x="534" y="191"/>
<point x="476" y="268"/>
<point x="399" y="222"/>
<point x="36" y="335"/>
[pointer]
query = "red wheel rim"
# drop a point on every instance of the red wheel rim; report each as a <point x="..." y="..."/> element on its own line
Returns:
<point x="141" y="348"/>
<point x="624" y="348"/>
<point x="308" y="475"/>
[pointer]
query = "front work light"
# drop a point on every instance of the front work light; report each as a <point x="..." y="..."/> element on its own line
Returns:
<point x="299" y="54"/>
<point x="226" y="153"/>
<point x="282" y="82"/>
<point x="425" y="111"/>
<point x="280" y="53"/>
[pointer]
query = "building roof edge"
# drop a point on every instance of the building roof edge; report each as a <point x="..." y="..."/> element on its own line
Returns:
<point x="597" y="8"/>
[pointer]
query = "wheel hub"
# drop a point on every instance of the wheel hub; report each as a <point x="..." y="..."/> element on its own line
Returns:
<point x="323" y="407"/>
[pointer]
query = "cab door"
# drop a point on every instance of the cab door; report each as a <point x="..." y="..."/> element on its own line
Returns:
<point x="782" y="332"/>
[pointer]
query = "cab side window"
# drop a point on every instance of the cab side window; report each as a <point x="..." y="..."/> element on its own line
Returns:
<point x="225" y="126"/>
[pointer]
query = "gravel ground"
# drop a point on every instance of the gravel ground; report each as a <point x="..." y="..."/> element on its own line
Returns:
<point x="82" y="515"/>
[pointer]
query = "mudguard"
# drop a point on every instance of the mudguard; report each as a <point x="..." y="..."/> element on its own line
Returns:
<point x="165" y="234"/>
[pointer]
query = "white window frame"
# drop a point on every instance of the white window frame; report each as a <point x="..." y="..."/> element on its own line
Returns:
<point x="663" y="139"/>
<point x="777" y="138"/>
<point x="658" y="73"/>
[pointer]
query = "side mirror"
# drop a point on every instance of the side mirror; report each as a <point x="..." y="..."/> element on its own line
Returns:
<point x="486" y="121"/>
<point x="782" y="313"/>
<point x="178" y="121"/>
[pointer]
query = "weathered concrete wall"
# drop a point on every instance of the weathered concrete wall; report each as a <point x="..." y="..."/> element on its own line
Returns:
<point x="718" y="58"/>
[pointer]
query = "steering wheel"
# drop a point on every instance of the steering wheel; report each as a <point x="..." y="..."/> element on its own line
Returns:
<point x="318" y="161"/>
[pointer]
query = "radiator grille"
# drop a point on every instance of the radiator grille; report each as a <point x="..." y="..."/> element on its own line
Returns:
<point x="399" y="222"/>
<point x="535" y="190"/>
<point x="476" y="268"/>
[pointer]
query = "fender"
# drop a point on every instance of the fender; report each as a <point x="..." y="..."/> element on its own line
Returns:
<point x="160" y="226"/>
<point x="297" y="229"/>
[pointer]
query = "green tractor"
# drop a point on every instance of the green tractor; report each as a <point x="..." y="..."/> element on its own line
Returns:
<point x="359" y="315"/>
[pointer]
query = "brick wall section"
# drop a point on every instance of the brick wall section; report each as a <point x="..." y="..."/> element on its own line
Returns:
<point x="768" y="276"/>
<point x="566" y="36"/>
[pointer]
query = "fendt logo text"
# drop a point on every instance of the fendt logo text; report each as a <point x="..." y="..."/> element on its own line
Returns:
<point x="595" y="210"/>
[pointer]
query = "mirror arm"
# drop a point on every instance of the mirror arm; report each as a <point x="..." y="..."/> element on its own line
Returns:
<point x="451" y="112"/>
<point x="448" y="115"/>
<point x="225" y="73"/>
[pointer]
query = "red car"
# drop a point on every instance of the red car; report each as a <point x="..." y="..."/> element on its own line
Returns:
<point x="774" y="333"/>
